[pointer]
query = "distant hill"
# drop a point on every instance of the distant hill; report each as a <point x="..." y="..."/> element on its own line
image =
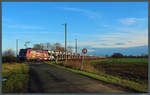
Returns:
<point x="125" y="51"/>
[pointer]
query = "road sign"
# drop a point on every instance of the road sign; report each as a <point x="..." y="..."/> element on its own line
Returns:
<point x="84" y="50"/>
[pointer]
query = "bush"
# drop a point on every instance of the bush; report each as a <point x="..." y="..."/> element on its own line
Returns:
<point x="9" y="56"/>
<point x="9" y="59"/>
<point x="117" y="55"/>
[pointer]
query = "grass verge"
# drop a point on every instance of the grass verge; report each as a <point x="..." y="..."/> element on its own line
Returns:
<point x="108" y="78"/>
<point x="17" y="78"/>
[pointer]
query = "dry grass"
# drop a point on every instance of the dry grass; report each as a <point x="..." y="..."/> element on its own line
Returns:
<point x="17" y="78"/>
<point x="76" y="64"/>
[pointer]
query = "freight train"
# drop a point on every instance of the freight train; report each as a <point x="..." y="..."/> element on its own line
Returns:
<point x="35" y="54"/>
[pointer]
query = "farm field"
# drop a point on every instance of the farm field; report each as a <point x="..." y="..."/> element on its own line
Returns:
<point x="16" y="76"/>
<point x="134" y="69"/>
<point x="130" y="69"/>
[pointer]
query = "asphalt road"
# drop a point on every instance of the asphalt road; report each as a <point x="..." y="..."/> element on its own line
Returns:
<point x="45" y="78"/>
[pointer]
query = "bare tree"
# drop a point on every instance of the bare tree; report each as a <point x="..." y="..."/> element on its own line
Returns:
<point x="58" y="47"/>
<point x="37" y="46"/>
<point x="8" y="56"/>
<point x="42" y="46"/>
<point x="9" y="52"/>
<point x="70" y="49"/>
<point x="49" y="46"/>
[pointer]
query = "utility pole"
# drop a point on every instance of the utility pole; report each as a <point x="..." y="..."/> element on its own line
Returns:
<point x="65" y="42"/>
<point x="17" y="47"/>
<point x="76" y="46"/>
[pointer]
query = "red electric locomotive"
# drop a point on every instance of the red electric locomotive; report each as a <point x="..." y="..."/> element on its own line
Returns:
<point x="31" y="54"/>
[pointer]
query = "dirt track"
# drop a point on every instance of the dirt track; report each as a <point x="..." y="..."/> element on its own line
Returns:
<point x="46" y="78"/>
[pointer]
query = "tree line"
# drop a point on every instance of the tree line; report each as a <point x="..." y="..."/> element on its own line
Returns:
<point x="54" y="47"/>
<point x="120" y="55"/>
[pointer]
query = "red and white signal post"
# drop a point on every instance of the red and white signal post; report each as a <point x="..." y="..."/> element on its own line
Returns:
<point x="84" y="51"/>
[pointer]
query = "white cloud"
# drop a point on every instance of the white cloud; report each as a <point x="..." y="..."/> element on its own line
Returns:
<point x="39" y="32"/>
<point x="91" y="50"/>
<point x="106" y="26"/>
<point x="129" y="38"/>
<point x="25" y="27"/>
<point x="129" y="21"/>
<point x="89" y="13"/>
<point x="132" y="38"/>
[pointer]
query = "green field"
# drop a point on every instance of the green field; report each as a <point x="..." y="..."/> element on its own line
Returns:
<point x="137" y="61"/>
<point x="17" y="78"/>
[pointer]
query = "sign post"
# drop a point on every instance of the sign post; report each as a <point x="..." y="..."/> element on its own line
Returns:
<point x="56" y="56"/>
<point x="84" y="51"/>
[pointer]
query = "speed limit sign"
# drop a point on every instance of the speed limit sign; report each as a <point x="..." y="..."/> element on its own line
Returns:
<point x="84" y="50"/>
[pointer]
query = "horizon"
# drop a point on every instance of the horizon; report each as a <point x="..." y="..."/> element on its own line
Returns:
<point x="104" y="25"/>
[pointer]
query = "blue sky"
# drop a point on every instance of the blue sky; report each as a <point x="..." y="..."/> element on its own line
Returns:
<point x="94" y="24"/>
